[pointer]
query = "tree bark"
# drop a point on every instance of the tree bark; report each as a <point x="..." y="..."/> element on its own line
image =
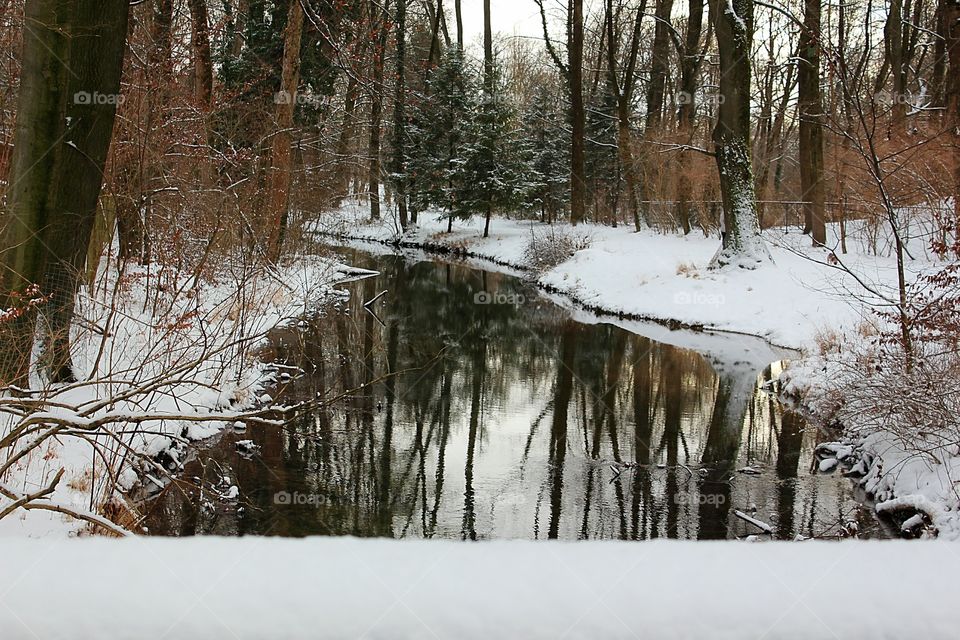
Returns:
<point x="200" y="42"/>
<point x="376" y="108"/>
<point x="458" y="11"/>
<point x="72" y="60"/>
<point x="280" y="155"/>
<point x="952" y="93"/>
<point x="578" y="115"/>
<point x="399" y="116"/>
<point x="742" y="244"/>
<point x="810" y="106"/>
<point x="689" y="70"/>
<point x="624" y="95"/>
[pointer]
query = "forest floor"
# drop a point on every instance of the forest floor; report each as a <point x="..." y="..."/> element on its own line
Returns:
<point x="254" y="587"/>
<point x="801" y="300"/>
<point x="160" y="343"/>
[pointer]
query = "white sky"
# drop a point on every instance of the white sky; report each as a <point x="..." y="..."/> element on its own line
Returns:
<point x="508" y="17"/>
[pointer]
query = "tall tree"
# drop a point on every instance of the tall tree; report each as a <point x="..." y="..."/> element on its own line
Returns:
<point x="742" y="244"/>
<point x="399" y="115"/>
<point x="577" y="114"/>
<point x="459" y="13"/>
<point x="572" y="72"/>
<point x="278" y="202"/>
<point x="689" y="71"/>
<point x="952" y="30"/>
<point x="623" y="92"/>
<point x="810" y="105"/>
<point x="70" y="82"/>
<point x="200" y="43"/>
<point x="380" y="19"/>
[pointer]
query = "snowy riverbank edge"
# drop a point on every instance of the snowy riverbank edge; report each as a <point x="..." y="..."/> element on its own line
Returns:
<point x="203" y="319"/>
<point x="349" y="588"/>
<point x="658" y="277"/>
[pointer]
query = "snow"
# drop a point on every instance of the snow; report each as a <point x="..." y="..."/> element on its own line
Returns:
<point x="349" y="588"/>
<point x="204" y="331"/>
<point x="899" y="478"/>
<point x="662" y="277"/>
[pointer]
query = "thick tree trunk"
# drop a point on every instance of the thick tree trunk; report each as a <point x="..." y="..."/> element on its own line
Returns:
<point x="578" y="115"/>
<point x="280" y="155"/>
<point x="39" y="128"/>
<point x="72" y="61"/>
<point x="810" y="106"/>
<point x="200" y="42"/>
<point x="742" y="244"/>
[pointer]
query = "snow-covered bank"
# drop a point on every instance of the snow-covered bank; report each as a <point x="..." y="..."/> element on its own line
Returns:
<point x="156" y="343"/>
<point x="349" y="588"/>
<point x="909" y="465"/>
<point x="663" y="277"/>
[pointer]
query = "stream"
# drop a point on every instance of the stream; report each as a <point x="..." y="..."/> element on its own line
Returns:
<point x="508" y="416"/>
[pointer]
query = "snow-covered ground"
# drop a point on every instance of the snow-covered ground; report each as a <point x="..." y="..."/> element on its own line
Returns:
<point x="242" y="588"/>
<point x="911" y="476"/>
<point x="157" y="343"/>
<point x="664" y="277"/>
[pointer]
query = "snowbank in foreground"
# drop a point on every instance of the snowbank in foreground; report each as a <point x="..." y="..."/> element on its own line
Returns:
<point x="664" y="277"/>
<point x="348" y="588"/>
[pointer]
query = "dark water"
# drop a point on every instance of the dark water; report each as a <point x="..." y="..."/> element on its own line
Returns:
<point x="507" y="418"/>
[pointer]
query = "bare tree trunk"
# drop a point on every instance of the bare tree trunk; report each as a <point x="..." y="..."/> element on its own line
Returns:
<point x="893" y="39"/>
<point x="952" y="30"/>
<point x="660" y="55"/>
<point x="578" y="115"/>
<point x="376" y="107"/>
<point x="487" y="85"/>
<point x="457" y="10"/>
<point x="344" y="167"/>
<point x="200" y="41"/>
<point x="72" y="61"/>
<point x="689" y="70"/>
<point x="624" y="95"/>
<point x="742" y="244"/>
<point x="399" y="116"/>
<point x="810" y="106"/>
<point x="39" y="128"/>
<point x="280" y="154"/>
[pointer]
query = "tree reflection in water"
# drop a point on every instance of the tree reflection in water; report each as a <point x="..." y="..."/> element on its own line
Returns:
<point x="505" y="418"/>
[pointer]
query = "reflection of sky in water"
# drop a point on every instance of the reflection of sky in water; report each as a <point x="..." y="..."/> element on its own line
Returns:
<point x="476" y="444"/>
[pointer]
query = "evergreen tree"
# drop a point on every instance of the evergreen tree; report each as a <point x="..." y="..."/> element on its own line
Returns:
<point x="489" y="175"/>
<point x="545" y="154"/>
<point x="601" y="164"/>
<point x="439" y="123"/>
